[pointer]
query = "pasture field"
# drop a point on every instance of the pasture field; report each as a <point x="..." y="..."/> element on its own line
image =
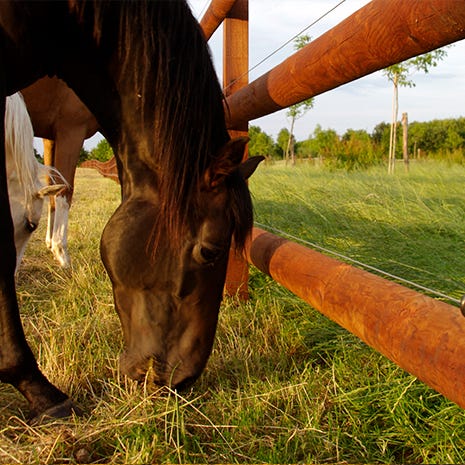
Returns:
<point x="284" y="384"/>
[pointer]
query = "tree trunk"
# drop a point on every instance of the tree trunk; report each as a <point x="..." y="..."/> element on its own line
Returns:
<point x="393" y="134"/>
<point x="405" y="140"/>
<point x="292" y="150"/>
<point x="289" y="141"/>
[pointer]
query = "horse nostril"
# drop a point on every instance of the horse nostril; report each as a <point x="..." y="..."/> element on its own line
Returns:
<point x="31" y="226"/>
<point x="186" y="383"/>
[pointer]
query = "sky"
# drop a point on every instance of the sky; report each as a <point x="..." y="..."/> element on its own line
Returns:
<point x="361" y="104"/>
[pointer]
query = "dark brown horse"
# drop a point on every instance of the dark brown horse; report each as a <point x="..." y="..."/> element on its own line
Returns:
<point x="143" y="69"/>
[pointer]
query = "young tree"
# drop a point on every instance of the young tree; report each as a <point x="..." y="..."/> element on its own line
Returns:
<point x="283" y="140"/>
<point x="399" y="75"/>
<point x="299" y="109"/>
<point x="324" y="142"/>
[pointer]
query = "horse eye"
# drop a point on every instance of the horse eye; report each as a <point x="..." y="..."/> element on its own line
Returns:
<point x="207" y="255"/>
<point x="31" y="226"/>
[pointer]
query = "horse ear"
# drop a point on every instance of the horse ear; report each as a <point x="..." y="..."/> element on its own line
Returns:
<point x="47" y="191"/>
<point x="227" y="161"/>
<point x="249" y="166"/>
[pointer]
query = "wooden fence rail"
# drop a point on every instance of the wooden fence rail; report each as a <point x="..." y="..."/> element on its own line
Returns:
<point x="423" y="336"/>
<point x="215" y="15"/>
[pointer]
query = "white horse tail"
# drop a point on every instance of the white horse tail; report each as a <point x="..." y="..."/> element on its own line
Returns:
<point x="19" y="147"/>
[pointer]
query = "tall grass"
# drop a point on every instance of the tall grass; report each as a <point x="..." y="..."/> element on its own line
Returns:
<point x="283" y="384"/>
<point x="410" y="224"/>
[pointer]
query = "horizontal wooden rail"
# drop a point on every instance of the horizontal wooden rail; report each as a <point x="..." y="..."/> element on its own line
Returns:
<point x="108" y="168"/>
<point x="424" y="336"/>
<point x="214" y="16"/>
<point x="378" y="35"/>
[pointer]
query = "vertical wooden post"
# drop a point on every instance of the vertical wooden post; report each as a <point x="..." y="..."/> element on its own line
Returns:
<point x="235" y="67"/>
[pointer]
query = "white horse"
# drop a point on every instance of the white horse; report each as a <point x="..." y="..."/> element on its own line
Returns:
<point x="27" y="178"/>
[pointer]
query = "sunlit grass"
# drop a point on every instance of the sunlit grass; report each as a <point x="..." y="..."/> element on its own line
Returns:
<point x="410" y="224"/>
<point x="283" y="384"/>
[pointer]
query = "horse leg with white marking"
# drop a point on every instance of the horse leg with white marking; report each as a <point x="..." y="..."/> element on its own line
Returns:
<point x="49" y="161"/>
<point x="56" y="237"/>
<point x="63" y="122"/>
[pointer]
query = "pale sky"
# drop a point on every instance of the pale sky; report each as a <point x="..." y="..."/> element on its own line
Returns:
<point x="361" y="104"/>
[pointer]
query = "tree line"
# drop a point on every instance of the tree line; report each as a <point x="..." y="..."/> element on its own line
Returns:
<point x="354" y="149"/>
<point x="359" y="149"/>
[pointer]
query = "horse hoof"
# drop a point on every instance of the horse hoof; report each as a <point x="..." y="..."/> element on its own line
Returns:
<point x="62" y="410"/>
<point x="61" y="256"/>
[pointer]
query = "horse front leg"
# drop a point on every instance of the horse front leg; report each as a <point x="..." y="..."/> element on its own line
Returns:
<point x="62" y="154"/>
<point x="49" y="160"/>
<point x="17" y="362"/>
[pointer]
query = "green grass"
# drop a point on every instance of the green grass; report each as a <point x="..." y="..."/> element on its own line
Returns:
<point x="410" y="225"/>
<point x="284" y="384"/>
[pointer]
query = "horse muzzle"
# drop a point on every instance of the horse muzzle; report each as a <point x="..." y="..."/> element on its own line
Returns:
<point x="152" y="370"/>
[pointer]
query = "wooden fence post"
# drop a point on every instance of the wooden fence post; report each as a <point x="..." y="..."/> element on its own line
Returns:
<point x="215" y="15"/>
<point x="235" y="67"/>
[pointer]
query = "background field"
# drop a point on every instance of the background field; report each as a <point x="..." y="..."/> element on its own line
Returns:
<point x="284" y="384"/>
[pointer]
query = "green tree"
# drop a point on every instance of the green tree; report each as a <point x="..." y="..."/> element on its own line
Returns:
<point x="102" y="151"/>
<point x="283" y="140"/>
<point x="296" y="111"/>
<point x="83" y="155"/>
<point x="441" y="138"/>
<point x="399" y="75"/>
<point x="356" y="150"/>
<point x="380" y="138"/>
<point x="325" y="143"/>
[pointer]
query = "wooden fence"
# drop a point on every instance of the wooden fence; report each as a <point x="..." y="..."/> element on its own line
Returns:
<point x="424" y="336"/>
<point x="105" y="168"/>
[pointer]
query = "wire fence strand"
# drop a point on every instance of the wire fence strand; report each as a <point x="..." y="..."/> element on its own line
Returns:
<point x="359" y="263"/>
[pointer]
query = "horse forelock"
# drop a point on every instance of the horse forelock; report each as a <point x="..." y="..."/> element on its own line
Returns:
<point x="164" y="60"/>
<point x="185" y="102"/>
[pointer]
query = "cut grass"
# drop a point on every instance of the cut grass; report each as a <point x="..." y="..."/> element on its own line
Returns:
<point x="284" y="384"/>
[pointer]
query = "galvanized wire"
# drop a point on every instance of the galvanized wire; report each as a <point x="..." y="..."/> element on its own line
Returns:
<point x="359" y="263"/>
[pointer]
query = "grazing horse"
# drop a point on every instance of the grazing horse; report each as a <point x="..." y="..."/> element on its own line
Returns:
<point x="144" y="71"/>
<point x="64" y="122"/>
<point x="27" y="186"/>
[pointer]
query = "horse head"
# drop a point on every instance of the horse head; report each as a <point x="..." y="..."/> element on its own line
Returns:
<point x="26" y="211"/>
<point x="168" y="297"/>
<point x="144" y="71"/>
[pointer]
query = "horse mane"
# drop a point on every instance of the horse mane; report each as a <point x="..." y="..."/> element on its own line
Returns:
<point x="164" y="54"/>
